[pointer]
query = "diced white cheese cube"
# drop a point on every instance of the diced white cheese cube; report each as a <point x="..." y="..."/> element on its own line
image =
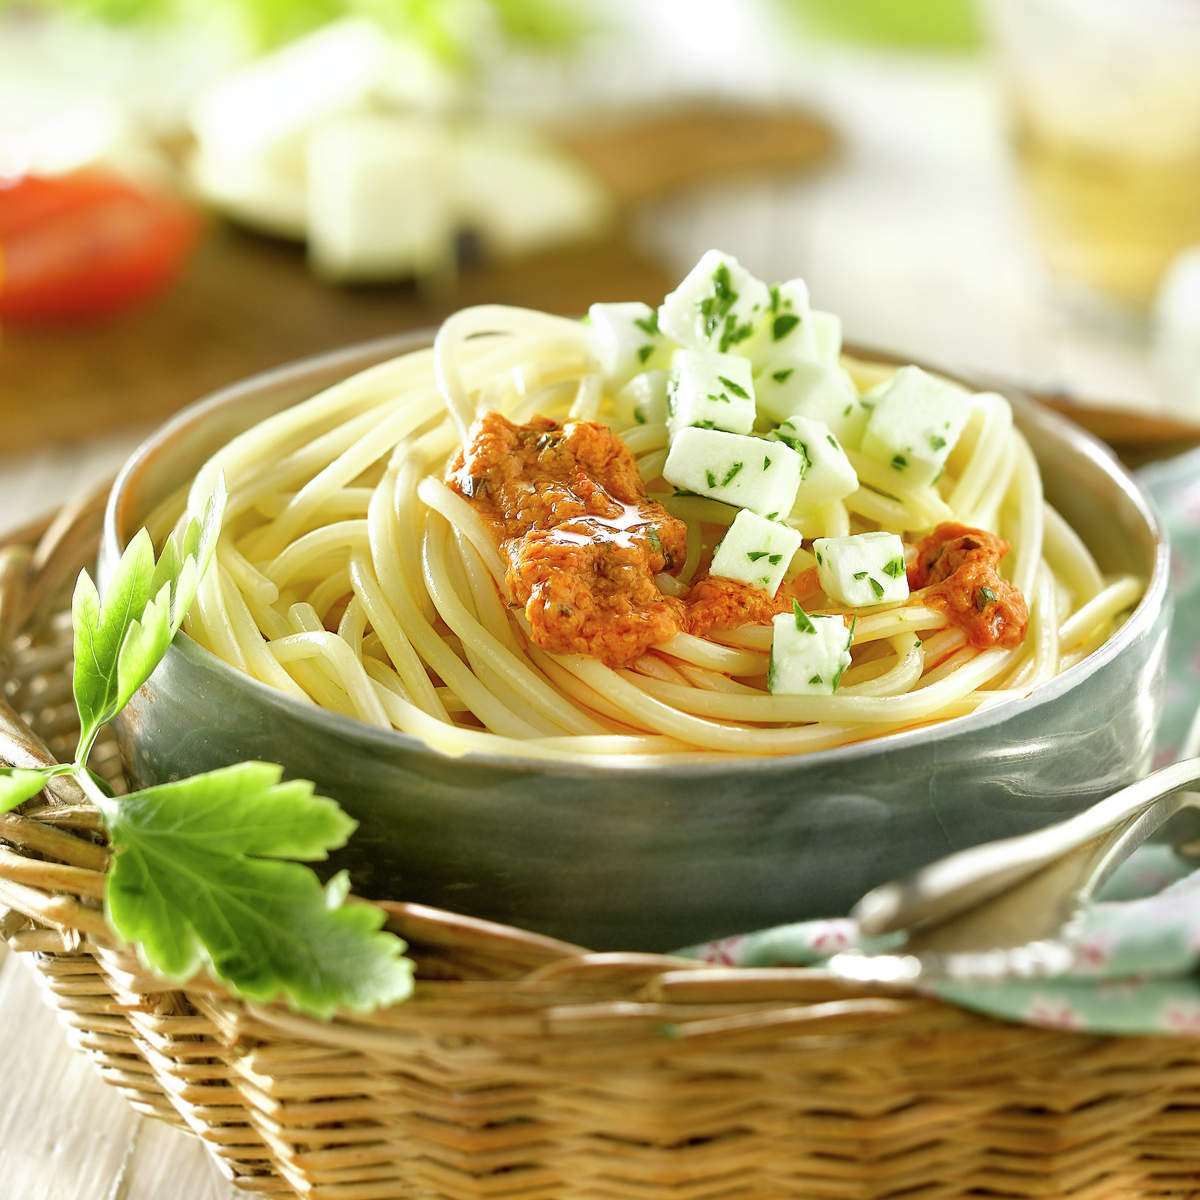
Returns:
<point x="626" y="340"/>
<point x="785" y="330"/>
<point x="786" y="387"/>
<point x="916" y="420"/>
<point x="827" y="473"/>
<point x="714" y="391"/>
<point x="862" y="569"/>
<point x="643" y="400"/>
<point x="718" y="305"/>
<point x="746" y="471"/>
<point x="756" y="551"/>
<point x="808" y="654"/>
<point x="267" y="108"/>
<point x="377" y="192"/>
<point x="826" y="330"/>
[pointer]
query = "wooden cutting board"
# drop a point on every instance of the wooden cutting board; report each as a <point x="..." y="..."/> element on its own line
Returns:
<point x="245" y="303"/>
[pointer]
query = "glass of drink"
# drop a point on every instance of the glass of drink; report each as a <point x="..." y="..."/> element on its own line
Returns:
<point x="1105" y="108"/>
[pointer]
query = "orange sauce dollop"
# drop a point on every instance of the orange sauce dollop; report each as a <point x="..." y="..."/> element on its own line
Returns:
<point x="958" y="567"/>
<point x="583" y="541"/>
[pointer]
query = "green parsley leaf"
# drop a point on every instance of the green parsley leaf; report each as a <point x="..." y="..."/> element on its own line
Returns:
<point x="832" y="441"/>
<point x="936" y="441"/>
<point x="755" y="555"/>
<point x="774" y="559"/>
<point x="730" y="474"/>
<point x="772" y="679"/>
<point x="899" y="462"/>
<point x="639" y="416"/>
<point x="18" y="784"/>
<point x="644" y="353"/>
<point x="735" y="388"/>
<point x="983" y="597"/>
<point x="860" y="574"/>
<point x="197" y="881"/>
<point x="876" y="587"/>
<point x="654" y="540"/>
<point x="774" y="294"/>
<point x="766" y="462"/>
<point x="783" y="325"/>
<point x="815" y="680"/>
<point x="803" y="624"/>
<point x="895" y="568"/>
<point x="710" y="479"/>
<point x="782" y="376"/>
<point x="120" y="642"/>
<point x="648" y="325"/>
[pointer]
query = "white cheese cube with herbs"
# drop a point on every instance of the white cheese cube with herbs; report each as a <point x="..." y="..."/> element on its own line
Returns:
<point x="916" y="420"/>
<point x="827" y="473"/>
<point x="756" y="551"/>
<point x="643" y="400"/>
<point x="713" y="391"/>
<point x="862" y="569"/>
<point x="626" y="339"/>
<point x="826" y="330"/>
<point x="808" y="654"/>
<point x="786" y="387"/>
<point x="785" y="330"/>
<point x="718" y="305"/>
<point x="746" y="471"/>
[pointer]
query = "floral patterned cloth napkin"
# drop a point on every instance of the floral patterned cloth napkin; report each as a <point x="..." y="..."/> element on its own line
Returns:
<point x="1137" y="969"/>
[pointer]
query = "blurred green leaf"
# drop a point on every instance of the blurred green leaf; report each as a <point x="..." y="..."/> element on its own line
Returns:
<point x="452" y="31"/>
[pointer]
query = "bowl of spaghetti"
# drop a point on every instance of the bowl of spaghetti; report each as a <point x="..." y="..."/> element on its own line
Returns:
<point x="522" y="595"/>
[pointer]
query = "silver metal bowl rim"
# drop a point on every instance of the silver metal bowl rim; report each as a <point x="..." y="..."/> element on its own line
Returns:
<point x="370" y="737"/>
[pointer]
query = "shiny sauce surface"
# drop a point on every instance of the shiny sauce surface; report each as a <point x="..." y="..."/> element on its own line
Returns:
<point x="583" y="542"/>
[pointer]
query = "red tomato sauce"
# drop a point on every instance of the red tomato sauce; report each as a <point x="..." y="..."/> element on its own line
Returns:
<point x="583" y="541"/>
<point x="957" y="567"/>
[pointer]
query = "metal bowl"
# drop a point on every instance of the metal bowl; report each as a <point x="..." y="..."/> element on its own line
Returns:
<point x="633" y="857"/>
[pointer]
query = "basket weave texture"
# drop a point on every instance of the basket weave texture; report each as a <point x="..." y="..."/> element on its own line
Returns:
<point x="524" y="1067"/>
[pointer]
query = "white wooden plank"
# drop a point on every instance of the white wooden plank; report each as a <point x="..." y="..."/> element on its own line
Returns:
<point x="66" y="1135"/>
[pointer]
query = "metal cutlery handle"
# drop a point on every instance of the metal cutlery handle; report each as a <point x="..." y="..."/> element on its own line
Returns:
<point x="960" y="882"/>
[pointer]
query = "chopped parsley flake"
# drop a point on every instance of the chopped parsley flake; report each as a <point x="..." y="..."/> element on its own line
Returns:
<point x="755" y="555"/>
<point x="816" y="679"/>
<point x="895" y="568"/>
<point x="876" y="587"/>
<point x="846" y="410"/>
<point x="717" y="312"/>
<point x="771" y="671"/>
<point x="774" y="516"/>
<point x="766" y="462"/>
<point x="936" y="441"/>
<point x="803" y="624"/>
<point x="729" y="475"/>
<point x="718" y="398"/>
<point x="899" y="462"/>
<point x="704" y="424"/>
<point x="983" y="597"/>
<point x="774" y="559"/>
<point x="644" y="353"/>
<point x="775" y="298"/>
<point x="860" y="574"/>
<point x="782" y="376"/>
<point x="832" y="441"/>
<point x="783" y="325"/>
<point x="639" y="416"/>
<point x="654" y="540"/>
<point x="710" y="479"/>
<point x="648" y="325"/>
<point x="735" y="388"/>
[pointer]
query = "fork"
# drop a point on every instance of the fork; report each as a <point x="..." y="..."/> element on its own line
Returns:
<point x="1010" y="908"/>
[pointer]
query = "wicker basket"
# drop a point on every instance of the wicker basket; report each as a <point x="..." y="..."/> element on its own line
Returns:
<point x="524" y="1067"/>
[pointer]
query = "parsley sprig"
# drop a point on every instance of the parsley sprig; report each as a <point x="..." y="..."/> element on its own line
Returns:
<point x="201" y="876"/>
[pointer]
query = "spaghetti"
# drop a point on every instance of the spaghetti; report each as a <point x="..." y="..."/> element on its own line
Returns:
<point x="354" y="571"/>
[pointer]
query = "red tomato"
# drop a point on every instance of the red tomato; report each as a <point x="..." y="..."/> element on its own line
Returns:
<point x="86" y="245"/>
